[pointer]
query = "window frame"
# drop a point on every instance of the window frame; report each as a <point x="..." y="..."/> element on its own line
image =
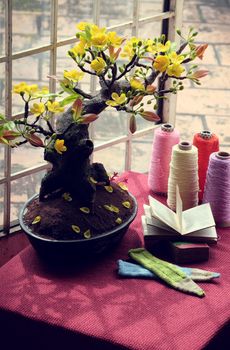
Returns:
<point x="171" y="18"/>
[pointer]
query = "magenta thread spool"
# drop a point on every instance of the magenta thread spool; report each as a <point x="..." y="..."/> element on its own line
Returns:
<point x="217" y="187"/>
<point x="164" y="139"/>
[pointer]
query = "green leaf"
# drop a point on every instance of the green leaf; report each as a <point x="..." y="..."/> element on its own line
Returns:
<point x="69" y="90"/>
<point x="9" y="125"/>
<point x="68" y="100"/>
<point x="2" y="117"/>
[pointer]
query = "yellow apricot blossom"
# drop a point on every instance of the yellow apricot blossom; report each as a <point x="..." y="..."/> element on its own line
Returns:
<point x="114" y="39"/>
<point x="79" y="48"/>
<point x="163" y="47"/>
<point x="37" y="109"/>
<point x="59" y="146"/>
<point x="175" y="58"/>
<point x="99" y="40"/>
<point x="175" y="70"/>
<point x="136" y="84"/>
<point x="116" y="99"/>
<point x="25" y="88"/>
<point x="161" y="63"/>
<point x="98" y="65"/>
<point x="82" y="25"/>
<point x="54" y="107"/>
<point x="73" y="75"/>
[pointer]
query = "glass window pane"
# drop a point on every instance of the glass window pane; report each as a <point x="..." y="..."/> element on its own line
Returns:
<point x="115" y="12"/>
<point x="113" y="158"/>
<point x="141" y="153"/>
<point x="70" y="12"/>
<point x="150" y="30"/>
<point x="2" y="88"/>
<point x="31" y="24"/>
<point x="1" y="204"/>
<point x="2" y="28"/>
<point x="26" y="156"/>
<point x="150" y="7"/>
<point x="21" y="190"/>
<point x="109" y="125"/>
<point x="33" y="70"/>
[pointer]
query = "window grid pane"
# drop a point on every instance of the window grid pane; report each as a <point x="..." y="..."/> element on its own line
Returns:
<point x="133" y="23"/>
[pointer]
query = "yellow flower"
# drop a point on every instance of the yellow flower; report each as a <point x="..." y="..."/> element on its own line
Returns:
<point x="136" y="84"/>
<point x="37" y="109"/>
<point x="128" y="49"/>
<point x="54" y="107"/>
<point x="44" y="90"/>
<point x="114" y="39"/>
<point x="23" y="87"/>
<point x="98" y="65"/>
<point x="163" y="47"/>
<point x="175" y="70"/>
<point x="73" y="75"/>
<point x="175" y="58"/>
<point x="79" y="49"/>
<point x="151" y="46"/>
<point x="83" y="25"/>
<point x="116" y="99"/>
<point x="59" y="146"/>
<point x="161" y="63"/>
<point x="95" y="30"/>
<point x="99" y="40"/>
<point x="18" y="88"/>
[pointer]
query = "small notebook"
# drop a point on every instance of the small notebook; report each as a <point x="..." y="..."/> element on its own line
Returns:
<point x="195" y="224"/>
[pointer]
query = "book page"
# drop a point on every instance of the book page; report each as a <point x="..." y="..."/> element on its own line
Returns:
<point x="163" y="213"/>
<point x="197" y="218"/>
<point x="150" y="220"/>
<point x="179" y="206"/>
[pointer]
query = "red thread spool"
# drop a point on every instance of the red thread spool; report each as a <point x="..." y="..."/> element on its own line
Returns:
<point x="207" y="143"/>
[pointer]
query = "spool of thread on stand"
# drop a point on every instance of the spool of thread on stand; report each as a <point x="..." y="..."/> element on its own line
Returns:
<point x="207" y="143"/>
<point x="164" y="139"/>
<point x="184" y="173"/>
<point x="217" y="187"/>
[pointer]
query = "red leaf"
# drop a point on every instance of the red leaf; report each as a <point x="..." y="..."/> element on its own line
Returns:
<point x="132" y="124"/>
<point x="34" y="140"/>
<point x="136" y="100"/>
<point x="77" y="107"/>
<point x="10" y="135"/>
<point x="150" y="116"/>
<point x="89" y="118"/>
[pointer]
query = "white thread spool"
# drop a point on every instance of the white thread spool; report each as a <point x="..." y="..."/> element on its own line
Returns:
<point x="184" y="173"/>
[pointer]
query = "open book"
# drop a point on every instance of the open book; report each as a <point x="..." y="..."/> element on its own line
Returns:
<point x="195" y="224"/>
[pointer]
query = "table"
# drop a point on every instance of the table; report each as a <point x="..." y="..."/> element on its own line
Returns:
<point x="92" y="308"/>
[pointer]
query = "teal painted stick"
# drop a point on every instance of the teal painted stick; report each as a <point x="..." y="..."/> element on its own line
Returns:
<point x="168" y="272"/>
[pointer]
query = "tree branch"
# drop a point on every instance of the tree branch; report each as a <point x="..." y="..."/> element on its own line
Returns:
<point x="128" y="67"/>
<point x="82" y="93"/>
<point x="39" y="129"/>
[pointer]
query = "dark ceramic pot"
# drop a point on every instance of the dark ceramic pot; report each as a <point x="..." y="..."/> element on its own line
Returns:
<point x="62" y="250"/>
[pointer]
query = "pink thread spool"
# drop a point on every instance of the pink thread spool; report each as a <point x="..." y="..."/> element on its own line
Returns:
<point x="164" y="139"/>
<point x="217" y="187"/>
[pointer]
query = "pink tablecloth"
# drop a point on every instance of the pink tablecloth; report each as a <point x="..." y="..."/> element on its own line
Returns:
<point x="92" y="308"/>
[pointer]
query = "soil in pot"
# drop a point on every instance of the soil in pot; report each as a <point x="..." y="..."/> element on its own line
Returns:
<point x="64" y="218"/>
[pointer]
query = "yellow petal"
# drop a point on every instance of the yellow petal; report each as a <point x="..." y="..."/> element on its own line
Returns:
<point x="36" y="220"/>
<point x="85" y="210"/>
<point x="76" y="228"/>
<point x="87" y="234"/>
<point x="67" y="197"/>
<point x="123" y="186"/>
<point x="118" y="221"/>
<point x="108" y="189"/>
<point x="126" y="204"/>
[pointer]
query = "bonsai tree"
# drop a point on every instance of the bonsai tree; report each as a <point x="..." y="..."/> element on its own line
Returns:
<point x="127" y="70"/>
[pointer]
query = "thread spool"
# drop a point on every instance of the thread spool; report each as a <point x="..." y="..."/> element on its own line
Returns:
<point x="164" y="139"/>
<point x="184" y="173"/>
<point x="217" y="187"/>
<point x="207" y="143"/>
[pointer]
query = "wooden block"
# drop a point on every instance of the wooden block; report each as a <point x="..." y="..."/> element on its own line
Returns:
<point x="184" y="252"/>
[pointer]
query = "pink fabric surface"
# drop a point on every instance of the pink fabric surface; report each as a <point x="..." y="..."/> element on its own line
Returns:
<point x="94" y="302"/>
